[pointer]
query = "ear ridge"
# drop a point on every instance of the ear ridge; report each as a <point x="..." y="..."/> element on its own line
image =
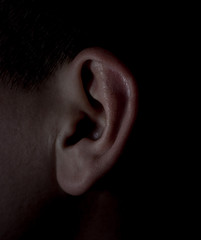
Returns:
<point x="112" y="100"/>
<point x="115" y="89"/>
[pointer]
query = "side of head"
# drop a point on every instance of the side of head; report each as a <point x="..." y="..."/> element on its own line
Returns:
<point x="66" y="111"/>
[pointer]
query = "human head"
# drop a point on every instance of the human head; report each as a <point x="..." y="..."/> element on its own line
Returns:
<point x="68" y="104"/>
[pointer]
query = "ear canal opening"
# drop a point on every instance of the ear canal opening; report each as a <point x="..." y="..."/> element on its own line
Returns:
<point x="85" y="129"/>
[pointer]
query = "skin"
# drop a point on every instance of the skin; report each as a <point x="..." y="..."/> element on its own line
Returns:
<point x="27" y="163"/>
<point x="37" y="166"/>
<point x="27" y="178"/>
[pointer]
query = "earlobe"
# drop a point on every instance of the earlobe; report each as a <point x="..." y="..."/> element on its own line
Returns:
<point x="107" y="102"/>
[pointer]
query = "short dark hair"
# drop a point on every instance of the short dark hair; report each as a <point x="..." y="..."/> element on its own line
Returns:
<point x="36" y="37"/>
<point x="34" y="40"/>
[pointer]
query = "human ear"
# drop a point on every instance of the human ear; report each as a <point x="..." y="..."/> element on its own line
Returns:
<point x="103" y="102"/>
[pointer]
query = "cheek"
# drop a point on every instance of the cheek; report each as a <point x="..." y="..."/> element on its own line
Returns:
<point x="26" y="174"/>
<point x="14" y="182"/>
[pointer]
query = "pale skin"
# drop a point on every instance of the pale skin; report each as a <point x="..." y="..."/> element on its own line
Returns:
<point x="43" y="152"/>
